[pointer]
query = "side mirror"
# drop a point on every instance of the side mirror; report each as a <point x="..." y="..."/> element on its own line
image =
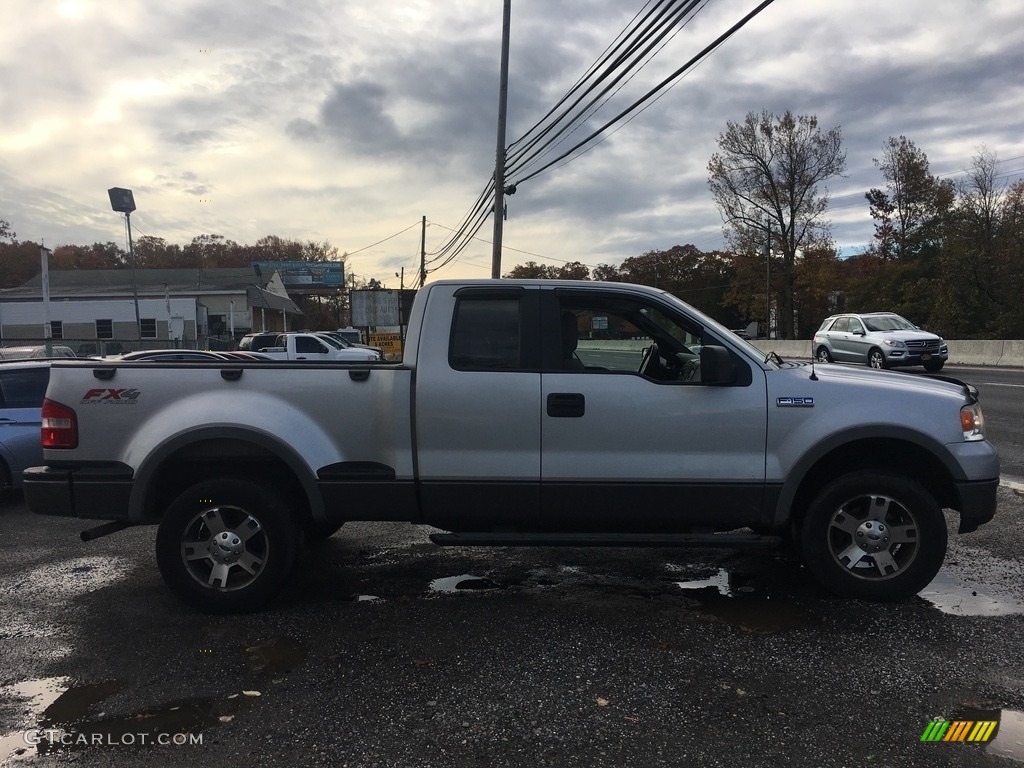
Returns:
<point x="858" y="332"/>
<point x="716" y="366"/>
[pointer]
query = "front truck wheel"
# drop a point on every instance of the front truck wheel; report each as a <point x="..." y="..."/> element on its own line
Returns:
<point x="874" y="535"/>
<point x="227" y="545"/>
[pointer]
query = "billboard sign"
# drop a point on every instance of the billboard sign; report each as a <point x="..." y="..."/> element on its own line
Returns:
<point x="300" y="274"/>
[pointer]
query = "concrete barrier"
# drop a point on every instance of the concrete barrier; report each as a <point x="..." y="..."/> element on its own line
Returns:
<point x="961" y="352"/>
<point x="1013" y="353"/>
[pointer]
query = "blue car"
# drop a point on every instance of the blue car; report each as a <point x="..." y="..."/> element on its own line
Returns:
<point x="22" y="387"/>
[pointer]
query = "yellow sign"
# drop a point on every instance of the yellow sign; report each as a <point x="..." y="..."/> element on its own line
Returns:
<point x="391" y="343"/>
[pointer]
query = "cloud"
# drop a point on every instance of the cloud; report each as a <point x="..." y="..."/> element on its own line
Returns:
<point x="349" y="121"/>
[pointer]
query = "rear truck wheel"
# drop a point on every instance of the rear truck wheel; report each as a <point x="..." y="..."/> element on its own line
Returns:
<point x="934" y="365"/>
<point x="823" y="355"/>
<point x="874" y="535"/>
<point x="227" y="545"/>
<point x="876" y="359"/>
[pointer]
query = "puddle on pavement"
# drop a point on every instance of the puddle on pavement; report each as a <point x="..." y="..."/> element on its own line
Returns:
<point x="1009" y="740"/>
<point x="38" y="695"/>
<point x="735" y="599"/>
<point x="464" y="583"/>
<point x="276" y="656"/>
<point x="61" y="719"/>
<point x="954" y="594"/>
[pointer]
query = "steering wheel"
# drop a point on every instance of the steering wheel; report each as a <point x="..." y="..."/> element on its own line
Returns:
<point x="655" y="366"/>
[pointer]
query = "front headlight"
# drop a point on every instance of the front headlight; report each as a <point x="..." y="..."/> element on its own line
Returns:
<point x="972" y="421"/>
<point x="895" y="343"/>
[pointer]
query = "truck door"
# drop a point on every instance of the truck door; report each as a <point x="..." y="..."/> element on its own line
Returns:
<point x="632" y="439"/>
<point x="310" y="348"/>
<point x="478" y="408"/>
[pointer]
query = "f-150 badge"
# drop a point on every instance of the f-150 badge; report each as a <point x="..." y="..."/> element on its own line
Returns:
<point x="795" y="402"/>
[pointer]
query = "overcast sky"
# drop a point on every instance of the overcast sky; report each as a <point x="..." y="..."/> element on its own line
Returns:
<point x="348" y="120"/>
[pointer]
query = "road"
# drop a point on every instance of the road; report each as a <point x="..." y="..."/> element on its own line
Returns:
<point x="388" y="651"/>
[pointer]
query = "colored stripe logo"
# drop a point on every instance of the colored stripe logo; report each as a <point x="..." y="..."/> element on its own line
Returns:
<point x="959" y="730"/>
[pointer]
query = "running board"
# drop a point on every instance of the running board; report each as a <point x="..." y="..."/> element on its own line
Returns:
<point x="490" y="539"/>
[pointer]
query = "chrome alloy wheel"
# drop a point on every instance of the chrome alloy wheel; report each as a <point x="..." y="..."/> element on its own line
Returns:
<point x="224" y="548"/>
<point x="874" y="537"/>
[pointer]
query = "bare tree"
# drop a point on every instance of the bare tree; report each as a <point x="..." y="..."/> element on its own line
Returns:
<point x="767" y="181"/>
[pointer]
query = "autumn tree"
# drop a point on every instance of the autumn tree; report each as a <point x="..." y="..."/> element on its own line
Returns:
<point x="155" y="253"/>
<point x="106" y="255"/>
<point x="531" y="270"/>
<point x="19" y="262"/>
<point x="907" y="212"/>
<point x="1010" y="258"/>
<point x="210" y="251"/>
<point x="767" y="180"/>
<point x="911" y="214"/>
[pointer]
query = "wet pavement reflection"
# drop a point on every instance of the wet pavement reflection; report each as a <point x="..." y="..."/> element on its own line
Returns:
<point x="738" y="599"/>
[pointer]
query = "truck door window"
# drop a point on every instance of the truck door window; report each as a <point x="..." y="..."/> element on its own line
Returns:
<point x="307" y="346"/>
<point x="628" y="335"/>
<point x="486" y="335"/>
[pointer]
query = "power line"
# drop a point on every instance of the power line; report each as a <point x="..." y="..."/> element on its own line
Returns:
<point x="637" y="44"/>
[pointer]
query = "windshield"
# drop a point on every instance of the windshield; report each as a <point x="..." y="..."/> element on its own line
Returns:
<point x="329" y="341"/>
<point x="724" y="332"/>
<point x="889" y="323"/>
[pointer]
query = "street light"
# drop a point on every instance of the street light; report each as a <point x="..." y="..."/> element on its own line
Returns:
<point x="122" y="201"/>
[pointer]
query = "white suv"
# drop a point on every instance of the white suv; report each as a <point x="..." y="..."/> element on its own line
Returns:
<point x="879" y="339"/>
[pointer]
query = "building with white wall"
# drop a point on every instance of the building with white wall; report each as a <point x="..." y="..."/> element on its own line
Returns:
<point x="94" y="310"/>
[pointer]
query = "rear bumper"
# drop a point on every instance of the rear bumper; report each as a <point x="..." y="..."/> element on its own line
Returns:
<point x="977" y="503"/>
<point x="91" y="492"/>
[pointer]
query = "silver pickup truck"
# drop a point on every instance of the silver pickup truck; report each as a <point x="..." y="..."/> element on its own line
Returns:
<point x="523" y="413"/>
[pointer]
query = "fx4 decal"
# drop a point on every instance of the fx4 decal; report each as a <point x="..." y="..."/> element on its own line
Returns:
<point x="128" y="396"/>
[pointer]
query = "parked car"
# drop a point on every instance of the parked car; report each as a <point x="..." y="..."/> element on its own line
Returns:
<point x="35" y="352"/>
<point x="880" y="340"/>
<point x="22" y="387"/>
<point x="254" y="342"/>
<point x="173" y="356"/>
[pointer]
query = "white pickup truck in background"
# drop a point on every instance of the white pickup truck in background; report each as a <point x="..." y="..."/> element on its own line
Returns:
<point x="494" y="429"/>
<point x="315" y="346"/>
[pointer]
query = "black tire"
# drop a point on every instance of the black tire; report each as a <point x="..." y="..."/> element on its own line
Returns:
<point x="874" y="535"/>
<point x="823" y="355"/>
<point x="934" y="366"/>
<point x="876" y="359"/>
<point x="227" y="545"/>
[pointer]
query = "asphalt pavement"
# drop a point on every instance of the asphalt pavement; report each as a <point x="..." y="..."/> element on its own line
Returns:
<point x="388" y="651"/>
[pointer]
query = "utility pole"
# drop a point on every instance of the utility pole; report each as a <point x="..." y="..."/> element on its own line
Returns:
<point x="499" y="155"/>
<point x="768" y="280"/>
<point x="423" y="253"/>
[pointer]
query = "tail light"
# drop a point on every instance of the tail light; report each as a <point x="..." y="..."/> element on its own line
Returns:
<point x="60" y="426"/>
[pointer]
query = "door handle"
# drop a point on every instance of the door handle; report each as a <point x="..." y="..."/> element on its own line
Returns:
<point x="566" y="405"/>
